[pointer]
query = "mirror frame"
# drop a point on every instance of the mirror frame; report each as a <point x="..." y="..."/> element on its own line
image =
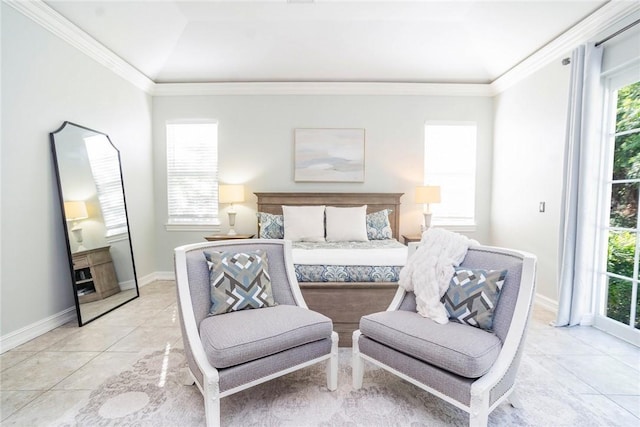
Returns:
<point x="74" y="286"/>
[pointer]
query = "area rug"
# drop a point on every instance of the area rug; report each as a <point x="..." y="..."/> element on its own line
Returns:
<point x="151" y="394"/>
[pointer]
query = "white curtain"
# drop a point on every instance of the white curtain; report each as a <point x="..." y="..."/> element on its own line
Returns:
<point x="579" y="209"/>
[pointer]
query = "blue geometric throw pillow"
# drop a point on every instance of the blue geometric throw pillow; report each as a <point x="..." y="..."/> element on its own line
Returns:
<point x="238" y="280"/>
<point x="473" y="295"/>
<point x="271" y="226"/>
<point x="378" y="225"/>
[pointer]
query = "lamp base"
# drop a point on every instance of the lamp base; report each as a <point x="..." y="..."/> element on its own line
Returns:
<point x="427" y="221"/>
<point x="77" y="233"/>
<point x="232" y="223"/>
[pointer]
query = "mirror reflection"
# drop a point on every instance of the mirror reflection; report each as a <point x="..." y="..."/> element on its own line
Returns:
<point x="95" y="220"/>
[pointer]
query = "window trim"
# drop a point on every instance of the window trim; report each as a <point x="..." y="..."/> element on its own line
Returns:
<point x="211" y="224"/>
<point x="213" y="227"/>
<point x="109" y="185"/>
<point x="463" y="224"/>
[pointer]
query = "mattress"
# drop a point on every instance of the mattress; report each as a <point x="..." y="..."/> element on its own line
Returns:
<point x="372" y="261"/>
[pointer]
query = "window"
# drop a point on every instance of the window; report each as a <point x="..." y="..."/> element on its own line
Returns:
<point x="618" y="301"/>
<point x="192" y="173"/>
<point x="450" y="162"/>
<point x="105" y="167"/>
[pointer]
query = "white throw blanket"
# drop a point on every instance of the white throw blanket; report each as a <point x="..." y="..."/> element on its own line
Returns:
<point x="429" y="270"/>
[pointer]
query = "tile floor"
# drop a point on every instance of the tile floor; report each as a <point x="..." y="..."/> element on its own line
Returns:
<point x="50" y="375"/>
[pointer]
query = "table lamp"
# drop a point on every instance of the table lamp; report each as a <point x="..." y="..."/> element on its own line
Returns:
<point x="76" y="211"/>
<point x="231" y="194"/>
<point x="427" y="194"/>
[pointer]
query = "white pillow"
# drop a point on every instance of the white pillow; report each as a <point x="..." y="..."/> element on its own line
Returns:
<point x="303" y="223"/>
<point x="346" y="224"/>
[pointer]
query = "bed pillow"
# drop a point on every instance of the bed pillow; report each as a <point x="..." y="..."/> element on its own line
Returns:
<point x="473" y="295"/>
<point x="346" y="224"/>
<point x="238" y="281"/>
<point x="378" y="225"/>
<point x="303" y="223"/>
<point x="271" y="226"/>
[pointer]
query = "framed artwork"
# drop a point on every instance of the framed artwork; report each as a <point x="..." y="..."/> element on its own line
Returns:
<point x="329" y="155"/>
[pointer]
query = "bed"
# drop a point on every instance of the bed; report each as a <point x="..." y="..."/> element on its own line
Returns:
<point x="344" y="291"/>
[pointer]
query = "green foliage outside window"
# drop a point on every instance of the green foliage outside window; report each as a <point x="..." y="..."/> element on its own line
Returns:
<point x="626" y="160"/>
<point x="622" y="246"/>
<point x="624" y="204"/>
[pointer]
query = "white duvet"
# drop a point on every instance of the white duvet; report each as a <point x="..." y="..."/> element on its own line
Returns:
<point x="374" y="256"/>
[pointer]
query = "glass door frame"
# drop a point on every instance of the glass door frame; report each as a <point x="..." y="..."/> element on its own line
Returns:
<point x="612" y="83"/>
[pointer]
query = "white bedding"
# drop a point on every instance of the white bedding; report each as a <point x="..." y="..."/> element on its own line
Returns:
<point x="373" y="253"/>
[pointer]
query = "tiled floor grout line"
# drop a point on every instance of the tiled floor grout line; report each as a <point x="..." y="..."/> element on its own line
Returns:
<point x="26" y="404"/>
<point x="157" y="307"/>
<point x="117" y="341"/>
<point x="43" y="391"/>
<point x="595" y="348"/>
<point x="608" y="396"/>
<point x="594" y="387"/>
<point x="46" y="349"/>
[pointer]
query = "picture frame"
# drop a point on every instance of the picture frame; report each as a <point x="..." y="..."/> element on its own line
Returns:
<point x="329" y="155"/>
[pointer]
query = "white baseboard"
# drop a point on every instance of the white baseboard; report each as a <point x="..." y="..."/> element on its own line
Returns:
<point x="34" y="330"/>
<point x="129" y="284"/>
<point x="552" y="305"/>
<point x="156" y="275"/>
<point x="546" y="303"/>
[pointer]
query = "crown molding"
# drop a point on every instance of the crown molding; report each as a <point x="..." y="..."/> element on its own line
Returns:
<point x="57" y="24"/>
<point x="599" y="21"/>
<point x="51" y="20"/>
<point x="321" y="88"/>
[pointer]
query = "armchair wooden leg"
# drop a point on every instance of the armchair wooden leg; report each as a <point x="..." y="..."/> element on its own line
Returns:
<point x="332" y="364"/>
<point x="212" y="404"/>
<point x="357" y="364"/>
<point x="514" y="400"/>
<point x="186" y="377"/>
<point x="479" y="411"/>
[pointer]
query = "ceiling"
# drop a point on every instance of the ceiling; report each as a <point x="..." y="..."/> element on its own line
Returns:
<point x="325" y="40"/>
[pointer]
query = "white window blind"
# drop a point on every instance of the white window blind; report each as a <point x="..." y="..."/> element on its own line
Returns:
<point x="105" y="167"/>
<point x="450" y="162"/>
<point x="192" y="173"/>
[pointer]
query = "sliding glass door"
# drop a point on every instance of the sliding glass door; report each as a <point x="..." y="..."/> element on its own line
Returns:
<point x="618" y="303"/>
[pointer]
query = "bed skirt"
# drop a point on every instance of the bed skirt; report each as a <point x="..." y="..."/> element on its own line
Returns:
<point x="346" y="303"/>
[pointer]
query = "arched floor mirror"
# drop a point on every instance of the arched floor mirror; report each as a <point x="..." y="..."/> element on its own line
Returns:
<point x="94" y="214"/>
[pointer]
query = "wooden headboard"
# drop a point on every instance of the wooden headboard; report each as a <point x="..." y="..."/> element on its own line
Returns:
<point x="272" y="203"/>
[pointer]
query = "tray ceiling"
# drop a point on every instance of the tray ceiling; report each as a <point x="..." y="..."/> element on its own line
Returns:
<point x="325" y="41"/>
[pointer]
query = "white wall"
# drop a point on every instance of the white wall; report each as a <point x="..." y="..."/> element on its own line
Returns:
<point x="529" y="133"/>
<point x="45" y="82"/>
<point x="256" y="148"/>
<point x="622" y="50"/>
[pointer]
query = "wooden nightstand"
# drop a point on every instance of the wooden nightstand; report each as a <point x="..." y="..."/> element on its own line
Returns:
<point x="217" y="237"/>
<point x="408" y="238"/>
<point x="95" y="276"/>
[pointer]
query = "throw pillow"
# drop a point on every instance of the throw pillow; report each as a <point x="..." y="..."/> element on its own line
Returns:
<point x="238" y="280"/>
<point x="303" y="223"/>
<point x="346" y="224"/>
<point x="378" y="225"/>
<point x="271" y="226"/>
<point x="473" y="295"/>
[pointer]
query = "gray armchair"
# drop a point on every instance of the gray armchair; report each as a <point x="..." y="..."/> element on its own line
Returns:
<point x="466" y="366"/>
<point x="230" y="352"/>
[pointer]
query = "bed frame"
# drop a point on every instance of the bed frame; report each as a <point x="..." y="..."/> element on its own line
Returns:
<point x="344" y="303"/>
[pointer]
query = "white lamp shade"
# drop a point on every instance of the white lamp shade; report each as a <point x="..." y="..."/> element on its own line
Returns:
<point x="75" y="210"/>
<point x="428" y="194"/>
<point x="230" y="193"/>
